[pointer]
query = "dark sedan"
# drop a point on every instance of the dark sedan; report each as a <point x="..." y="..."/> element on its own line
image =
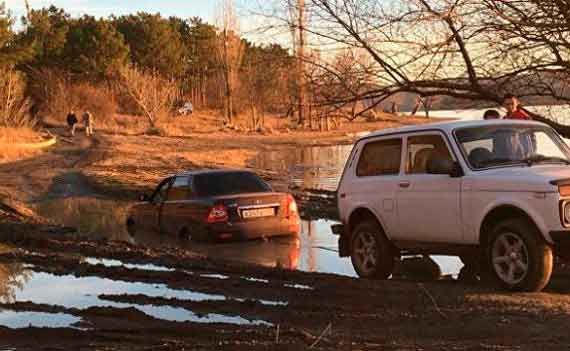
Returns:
<point x="211" y="205"/>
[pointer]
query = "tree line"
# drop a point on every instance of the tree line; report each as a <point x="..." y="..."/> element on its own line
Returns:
<point x="55" y="55"/>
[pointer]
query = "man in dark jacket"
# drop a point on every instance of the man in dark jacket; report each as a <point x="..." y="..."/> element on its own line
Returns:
<point x="72" y="122"/>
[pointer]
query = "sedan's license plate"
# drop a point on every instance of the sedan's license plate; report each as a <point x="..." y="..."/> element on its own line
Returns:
<point x="256" y="213"/>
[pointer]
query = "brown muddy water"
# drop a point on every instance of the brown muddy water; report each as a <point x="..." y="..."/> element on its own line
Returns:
<point x="310" y="168"/>
<point x="81" y="293"/>
<point x="315" y="250"/>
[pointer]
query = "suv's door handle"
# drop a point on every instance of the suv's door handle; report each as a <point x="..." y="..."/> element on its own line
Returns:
<point x="404" y="184"/>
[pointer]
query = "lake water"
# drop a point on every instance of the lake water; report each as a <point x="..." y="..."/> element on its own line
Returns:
<point x="558" y="113"/>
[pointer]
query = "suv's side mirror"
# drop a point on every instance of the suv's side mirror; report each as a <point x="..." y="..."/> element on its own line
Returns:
<point x="143" y="198"/>
<point x="444" y="166"/>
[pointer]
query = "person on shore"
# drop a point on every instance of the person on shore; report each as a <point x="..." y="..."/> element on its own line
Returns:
<point x="395" y="108"/>
<point x="88" y="122"/>
<point x="491" y="114"/>
<point x="72" y="122"/>
<point x="514" y="109"/>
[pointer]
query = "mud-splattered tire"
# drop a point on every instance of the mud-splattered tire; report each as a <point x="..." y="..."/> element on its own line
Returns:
<point x="371" y="253"/>
<point x="518" y="257"/>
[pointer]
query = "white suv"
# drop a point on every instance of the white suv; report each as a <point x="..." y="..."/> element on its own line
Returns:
<point x="496" y="192"/>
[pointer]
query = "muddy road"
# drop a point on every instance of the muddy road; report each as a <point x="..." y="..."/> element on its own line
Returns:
<point x="60" y="292"/>
<point x="72" y="278"/>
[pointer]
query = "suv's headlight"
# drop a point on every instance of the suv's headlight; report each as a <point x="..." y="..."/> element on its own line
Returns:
<point x="565" y="213"/>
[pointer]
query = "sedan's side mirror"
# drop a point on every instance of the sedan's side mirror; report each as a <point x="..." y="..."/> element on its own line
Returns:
<point x="143" y="198"/>
<point x="444" y="166"/>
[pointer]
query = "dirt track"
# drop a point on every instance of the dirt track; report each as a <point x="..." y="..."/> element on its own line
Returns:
<point x="306" y="310"/>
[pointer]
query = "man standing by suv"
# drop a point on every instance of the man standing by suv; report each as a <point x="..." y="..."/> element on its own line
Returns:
<point x="513" y="107"/>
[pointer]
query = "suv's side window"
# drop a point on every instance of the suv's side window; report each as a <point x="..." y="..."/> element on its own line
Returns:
<point x="180" y="189"/>
<point x="380" y="158"/>
<point x="423" y="148"/>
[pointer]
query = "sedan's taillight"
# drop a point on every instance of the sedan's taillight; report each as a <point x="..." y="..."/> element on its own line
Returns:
<point x="218" y="213"/>
<point x="291" y="210"/>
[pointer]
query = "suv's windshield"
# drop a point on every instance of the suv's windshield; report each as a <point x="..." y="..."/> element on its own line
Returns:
<point x="504" y="145"/>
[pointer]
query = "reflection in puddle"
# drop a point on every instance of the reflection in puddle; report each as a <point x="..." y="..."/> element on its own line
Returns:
<point x="310" y="168"/>
<point x="116" y="263"/>
<point x="315" y="250"/>
<point x="449" y="265"/>
<point x="83" y="292"/>
<point x="299" y="286"/>
<point x="272" y="303"/>
<point x="12" y="278"/>
<point x="17" y="320"/>
<point x="178" y="314"/>
<point x="215" y="276"/>
<point x="94" y="218"/>
<point x="256" y="280"/>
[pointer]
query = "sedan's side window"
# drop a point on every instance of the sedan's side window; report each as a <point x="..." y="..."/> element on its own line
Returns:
<point x="180" y="189"/>
<point x="380" y="158"/>
<point x="161" y="193"/>
<point x="424" y="148"/>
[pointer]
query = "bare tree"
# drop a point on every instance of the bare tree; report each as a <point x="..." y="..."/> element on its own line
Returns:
<point x="229" y="54"/>
<point x="14" y="107"/>
<point x="297" y="23"/>
<point x="469" y="49"/>
<point x="153" y="95"/>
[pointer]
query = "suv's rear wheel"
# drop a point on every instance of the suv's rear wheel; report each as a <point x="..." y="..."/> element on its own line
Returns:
<point x="371" y="253"/>
<point x="518" y="256"/>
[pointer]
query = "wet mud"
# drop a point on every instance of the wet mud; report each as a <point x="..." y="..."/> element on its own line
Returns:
<point x="78" y="280"/>
<point x="118" y="295"/>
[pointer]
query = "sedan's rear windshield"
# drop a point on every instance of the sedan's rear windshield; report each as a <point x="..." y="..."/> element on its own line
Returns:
<point x="219" y="184"/>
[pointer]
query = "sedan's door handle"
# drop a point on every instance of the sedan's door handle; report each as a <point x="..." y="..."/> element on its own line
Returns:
<point x="404" y="184"/>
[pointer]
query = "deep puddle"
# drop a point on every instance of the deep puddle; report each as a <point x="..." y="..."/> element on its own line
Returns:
<point x="17" y="320"/>
<point x="84" y="292"/>
<point x="116" y="263"/>
<point x="92" y="217"/>
<point x="315" y="250"/>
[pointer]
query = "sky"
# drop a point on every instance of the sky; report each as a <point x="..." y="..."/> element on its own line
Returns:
<point x="104" y="8"/>
<point x="205" y="9"/>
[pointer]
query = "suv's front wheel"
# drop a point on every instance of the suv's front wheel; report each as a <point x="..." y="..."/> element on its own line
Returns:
<point x="371" y="253"/>
<point x="519" y="258"/>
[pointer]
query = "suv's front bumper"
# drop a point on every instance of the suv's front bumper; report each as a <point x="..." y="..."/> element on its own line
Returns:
<point x="343" y="244"/>
<point x="561" y="238"/>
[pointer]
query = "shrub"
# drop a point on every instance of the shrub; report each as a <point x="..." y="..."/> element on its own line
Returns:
<point x="56" y="95"/>
<point x="153" y="95"/>
<point x="155" y="131"/>
<point x="14" y="106"/>
<point x="98" y="99"/>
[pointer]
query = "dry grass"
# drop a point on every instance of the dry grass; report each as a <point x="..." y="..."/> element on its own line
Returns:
<point x="211" y="121"/>
<point x="11" y="137"/>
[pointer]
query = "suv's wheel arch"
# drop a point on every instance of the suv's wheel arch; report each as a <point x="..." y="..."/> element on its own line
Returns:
<point x="363" y="214"/>
<point x="499" y="214"/>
